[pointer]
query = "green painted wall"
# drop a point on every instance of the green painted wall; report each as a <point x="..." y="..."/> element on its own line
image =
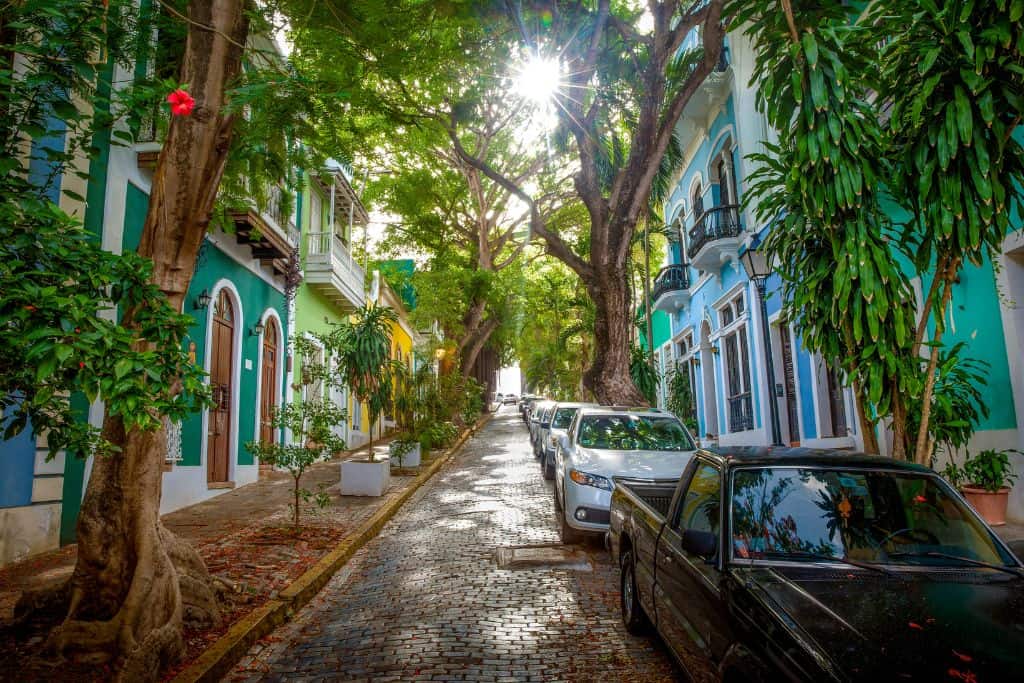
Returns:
<point x="977" y="321"/>
<point x="661" y="328"/>
<point x="74" y="476"/>
<point x="136" y="204"/>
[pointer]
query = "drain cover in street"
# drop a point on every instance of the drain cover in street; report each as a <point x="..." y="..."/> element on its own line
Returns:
<point x="543" y="557"/>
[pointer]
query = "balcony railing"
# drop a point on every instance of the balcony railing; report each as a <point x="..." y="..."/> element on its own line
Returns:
<point x="329" y="263"/>
<point x="275" y="208"/>
<point x="670" y="278"/>
<point x="741" y="413"/>
<point x="718" y="222"/>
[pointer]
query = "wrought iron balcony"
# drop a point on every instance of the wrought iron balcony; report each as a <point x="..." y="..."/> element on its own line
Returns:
<point x="714" y="238"/>
<point x="671" y="288"/>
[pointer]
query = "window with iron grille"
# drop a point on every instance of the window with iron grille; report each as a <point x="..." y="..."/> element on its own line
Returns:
<point x="737" y="367"/>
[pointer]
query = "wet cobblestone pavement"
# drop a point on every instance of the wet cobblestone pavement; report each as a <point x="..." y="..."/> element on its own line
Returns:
<point x="426" y="600"/>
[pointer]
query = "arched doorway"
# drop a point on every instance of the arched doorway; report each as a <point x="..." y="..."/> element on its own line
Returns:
<point x="218" y="448"/>
<point x="707" y="365"/>
<point x="268" y="380"/>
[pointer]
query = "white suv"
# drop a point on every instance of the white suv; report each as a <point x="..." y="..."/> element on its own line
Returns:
<point x="606" y="442"/>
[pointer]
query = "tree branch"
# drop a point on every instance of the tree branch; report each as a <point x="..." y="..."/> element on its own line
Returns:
<point x="558" y="247"/>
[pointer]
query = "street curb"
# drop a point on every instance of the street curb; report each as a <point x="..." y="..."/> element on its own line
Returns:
<point x="225" y="652"/>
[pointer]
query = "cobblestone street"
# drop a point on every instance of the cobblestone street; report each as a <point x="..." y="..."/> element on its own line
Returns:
<point x="426" y="600"/>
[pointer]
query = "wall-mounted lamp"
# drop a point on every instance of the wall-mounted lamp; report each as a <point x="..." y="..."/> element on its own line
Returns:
<point x="257" y="329"/>
<point x="202" y="301"/>
<point x="714" y="349"/>
<point x="695" y="361"/>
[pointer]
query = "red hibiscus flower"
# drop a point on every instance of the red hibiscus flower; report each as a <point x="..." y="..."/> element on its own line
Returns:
<point x="181" y="102"/>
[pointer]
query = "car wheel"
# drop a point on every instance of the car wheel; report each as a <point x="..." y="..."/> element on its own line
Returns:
<point x="566" y="533"/>
<point x="549" y="468"/>
<point x="633" y="616"/>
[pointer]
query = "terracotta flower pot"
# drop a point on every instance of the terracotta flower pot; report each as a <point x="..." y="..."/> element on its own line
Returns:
<point x="991" y="506"/>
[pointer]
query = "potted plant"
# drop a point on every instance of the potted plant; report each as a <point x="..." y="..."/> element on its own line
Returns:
<point x="405" y="451"/>
<point x="988" y="478"/>
<point x="361" y="347"/>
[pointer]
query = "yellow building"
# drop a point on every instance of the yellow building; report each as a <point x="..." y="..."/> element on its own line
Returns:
<point x="403" y="341"/>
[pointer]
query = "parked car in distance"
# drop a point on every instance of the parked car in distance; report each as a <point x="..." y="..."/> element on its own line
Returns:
<point x="510" y="399"/>
<point x="536" y="414"/>
<point x="526" y="405"/>
<point x="605" y="442"/>
<point x="544" y="415"/>
<point x="561" y="419"/>
<point x="799" y="565"/>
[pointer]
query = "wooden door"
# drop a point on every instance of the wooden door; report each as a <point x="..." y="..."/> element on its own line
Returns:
<point x="268" y="382"/>
<point x="219" y="431"/>
<point x="790" y="381"/>
<point x="836" y="404"/>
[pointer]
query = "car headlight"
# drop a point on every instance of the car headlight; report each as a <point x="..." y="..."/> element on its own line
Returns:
<point x="584" y="479"/>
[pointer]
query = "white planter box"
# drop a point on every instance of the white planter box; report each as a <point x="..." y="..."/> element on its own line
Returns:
<point x="365" y="478"/>
<point x="410" y="459"/>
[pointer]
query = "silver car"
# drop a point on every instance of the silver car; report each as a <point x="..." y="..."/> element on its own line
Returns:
<point x="607" y="442"/>
<point x="543" y="426"/>
<point x="536" y="415"/>
<point x="561" y="418"/>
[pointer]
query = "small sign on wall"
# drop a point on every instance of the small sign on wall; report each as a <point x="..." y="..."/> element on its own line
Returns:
<point x="248" y="364"/>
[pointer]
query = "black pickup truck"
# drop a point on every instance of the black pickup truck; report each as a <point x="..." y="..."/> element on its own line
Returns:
<point x="804" y="565"/>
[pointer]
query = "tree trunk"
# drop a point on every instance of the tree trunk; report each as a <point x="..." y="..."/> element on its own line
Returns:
<point x="922" y="456"/>
<point x="471" y="323"/>
<point x="135" y="583"/>
<point x="867" y="427"/>
<point x="608" y="377"/>
<point x="472" y="351"/>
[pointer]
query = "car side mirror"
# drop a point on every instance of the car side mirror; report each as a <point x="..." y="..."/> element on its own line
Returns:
<point x="703" y="544"/>
<point x="563" y="441"/>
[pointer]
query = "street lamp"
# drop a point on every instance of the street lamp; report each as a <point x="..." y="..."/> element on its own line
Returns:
<point x="202" y="301"/>
<point x="755" y="262"/>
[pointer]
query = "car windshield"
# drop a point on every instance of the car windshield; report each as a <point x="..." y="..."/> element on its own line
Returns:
<point x="887" y="517"/>
<point x="633" y="433"/>
<point x="563" y="417"/>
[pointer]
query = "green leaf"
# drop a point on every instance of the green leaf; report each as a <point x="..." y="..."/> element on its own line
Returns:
<point x="123" y="367"/>
<point x="928" y="60"/>
<point x="965" y="117"/>
<point x="62" y="352"/>
<point x="810" y="48"/>
<point x="968" y="44"/>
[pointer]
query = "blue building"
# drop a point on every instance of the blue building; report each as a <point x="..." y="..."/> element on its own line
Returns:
<point x="716" y="334"/>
